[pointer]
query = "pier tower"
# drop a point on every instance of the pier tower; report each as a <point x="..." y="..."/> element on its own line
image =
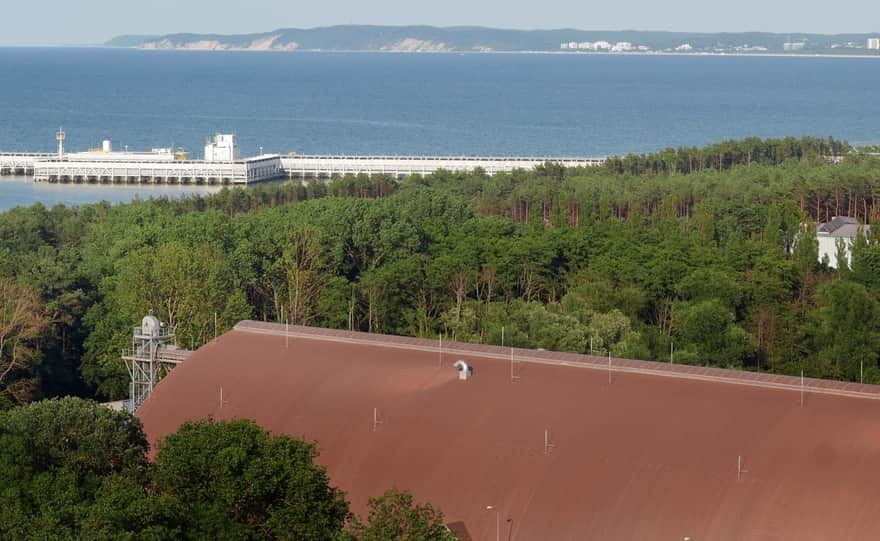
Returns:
<point x="60" y="138"/>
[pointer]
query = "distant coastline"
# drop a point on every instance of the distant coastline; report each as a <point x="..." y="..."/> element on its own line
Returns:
<point x="428" y="39"/>
<point x="537" y="53"/>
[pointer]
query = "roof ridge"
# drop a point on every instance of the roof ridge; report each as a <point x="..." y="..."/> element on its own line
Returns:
<point x="576" y="360"/>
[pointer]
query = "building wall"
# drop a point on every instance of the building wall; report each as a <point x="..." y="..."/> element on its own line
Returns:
<point x="874" y="43"/>
<point x="828" y="246"/>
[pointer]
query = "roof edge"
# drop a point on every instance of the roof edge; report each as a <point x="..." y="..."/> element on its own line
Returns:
<point x="574" y="360"/>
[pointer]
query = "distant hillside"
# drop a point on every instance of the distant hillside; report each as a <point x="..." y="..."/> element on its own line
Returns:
<point x="473" y="38"/>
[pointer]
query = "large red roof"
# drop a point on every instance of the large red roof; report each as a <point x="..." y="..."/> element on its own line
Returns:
<point x="654" y="454"/>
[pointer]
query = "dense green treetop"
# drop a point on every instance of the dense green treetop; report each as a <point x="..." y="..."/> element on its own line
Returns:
<point x="235" y="481"/>
<point x="54" y="458"/>
<point x="396" y="517"/>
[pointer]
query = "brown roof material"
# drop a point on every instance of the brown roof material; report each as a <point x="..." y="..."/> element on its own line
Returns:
<point x="661" y="452"/>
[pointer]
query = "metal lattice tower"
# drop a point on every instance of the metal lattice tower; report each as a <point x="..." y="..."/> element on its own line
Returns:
<point x="152" y="355"/>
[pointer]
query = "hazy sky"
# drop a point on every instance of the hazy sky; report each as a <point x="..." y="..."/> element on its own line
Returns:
<point x="52" y="22"/>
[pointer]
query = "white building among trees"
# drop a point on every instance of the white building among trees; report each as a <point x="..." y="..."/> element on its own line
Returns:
<point x="838" y="234"/>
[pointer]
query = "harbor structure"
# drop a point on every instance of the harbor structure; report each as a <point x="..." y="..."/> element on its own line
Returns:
<point x="158" y="171"/>
<point x="59" y="136"/>
<point x="223" y="148"/>
<point x="224" y="165"/>
<point x="326" y="167"/>
<point x="21" y="163"/>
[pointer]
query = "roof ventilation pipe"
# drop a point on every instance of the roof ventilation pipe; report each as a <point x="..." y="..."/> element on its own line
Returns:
<point x="464" y="370"/>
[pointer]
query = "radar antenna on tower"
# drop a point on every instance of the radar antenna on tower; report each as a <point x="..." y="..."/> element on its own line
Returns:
<point x="153" y="354"/>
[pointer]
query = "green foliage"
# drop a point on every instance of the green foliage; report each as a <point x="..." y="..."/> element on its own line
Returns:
<point x="54" y="458"/>
<point x="396" y="517"/>
<point x="613" y="332"/>
<point x="125" y="509"/>
<point x="235" y="481"/>
<point x="846" y="330"/>
<point x="708" y="327"/>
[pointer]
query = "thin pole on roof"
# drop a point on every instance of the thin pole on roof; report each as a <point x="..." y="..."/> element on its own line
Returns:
<point x="671" y="351"/>
<point x="497" y="521"/>
<point x="548" y="443"/>
<point x="376" y="421"/>
<point x="861" y="371"/>
<point x="802" y="387"/>
<point x="511" y="364"/>
<point x="286" y="332"/>
<point x="739" y="467"/>
<point x="609" y="366"/>
<point x="513" y="376"/>
<point x="215" y="325"/>
<point x="502" y="336"/>
<point x="440" y="358"/>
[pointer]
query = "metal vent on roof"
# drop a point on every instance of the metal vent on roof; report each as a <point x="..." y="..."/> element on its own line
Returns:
<point x="464" y="370"/>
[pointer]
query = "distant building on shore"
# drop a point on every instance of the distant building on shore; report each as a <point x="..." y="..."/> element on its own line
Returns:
<point x="874" y="44"/>
<point x="793" y="46"/>
<point x="619" y="47"/>
<point x="841" y="227"/>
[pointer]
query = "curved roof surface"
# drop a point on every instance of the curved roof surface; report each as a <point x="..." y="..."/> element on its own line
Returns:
<point x="660" y="452"/>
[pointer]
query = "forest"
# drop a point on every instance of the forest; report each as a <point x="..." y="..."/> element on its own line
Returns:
<point x="700" y="256"/>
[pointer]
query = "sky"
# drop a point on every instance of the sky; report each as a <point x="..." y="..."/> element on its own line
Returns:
<point x="82" y="22"/>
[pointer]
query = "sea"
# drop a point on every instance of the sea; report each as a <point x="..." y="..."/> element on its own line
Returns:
<point x="546" y="105"/>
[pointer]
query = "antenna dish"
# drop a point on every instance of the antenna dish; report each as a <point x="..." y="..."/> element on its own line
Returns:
<point x="150" y="326"/>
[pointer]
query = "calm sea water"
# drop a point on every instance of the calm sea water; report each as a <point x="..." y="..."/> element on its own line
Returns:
<point x="474" y="104"/>
<point x="15" y="191"/>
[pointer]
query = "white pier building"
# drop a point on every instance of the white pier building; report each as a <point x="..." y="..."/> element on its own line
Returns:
<point x="251" y="170"/>
<point x="224" y="165"/>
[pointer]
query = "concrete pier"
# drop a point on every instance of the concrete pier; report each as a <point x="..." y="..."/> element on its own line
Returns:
<point x="325" y="167"/>
<point x="20" y="163"/>
<point x="80" y="168"/>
